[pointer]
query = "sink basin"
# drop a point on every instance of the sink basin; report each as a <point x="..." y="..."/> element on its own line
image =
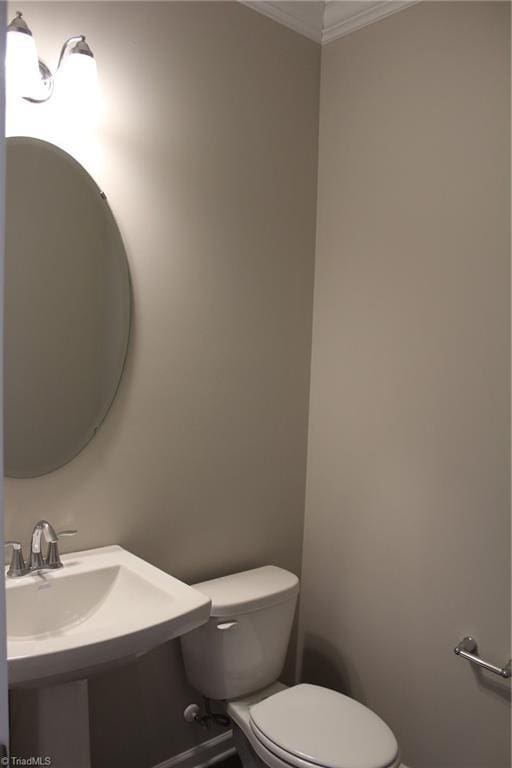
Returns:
<point x="104" y="605"/>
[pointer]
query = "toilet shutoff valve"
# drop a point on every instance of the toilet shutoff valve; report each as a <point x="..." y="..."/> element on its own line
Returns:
<point x="191" y="713"/>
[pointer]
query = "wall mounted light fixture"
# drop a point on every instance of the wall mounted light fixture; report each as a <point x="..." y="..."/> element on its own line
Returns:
<point x="29" y="77"/>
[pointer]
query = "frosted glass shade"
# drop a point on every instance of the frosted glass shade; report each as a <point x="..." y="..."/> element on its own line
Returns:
<point x="76" y="79"/>
<point x="21" y="64"/>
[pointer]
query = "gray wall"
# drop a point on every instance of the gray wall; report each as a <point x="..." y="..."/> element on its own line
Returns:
<point x="206" y="147"/>
<point x="407" y="537"/>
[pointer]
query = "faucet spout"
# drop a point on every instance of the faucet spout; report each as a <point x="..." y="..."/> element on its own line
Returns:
<point x="40" y="528"/>
<point x="43" y="526"/>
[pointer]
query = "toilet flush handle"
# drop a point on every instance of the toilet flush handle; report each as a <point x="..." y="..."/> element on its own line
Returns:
<point x="227" y="625"/>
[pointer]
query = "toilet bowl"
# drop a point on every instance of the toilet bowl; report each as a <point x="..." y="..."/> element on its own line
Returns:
<point x="238" y="656"/>
<point x="307" y="726"/>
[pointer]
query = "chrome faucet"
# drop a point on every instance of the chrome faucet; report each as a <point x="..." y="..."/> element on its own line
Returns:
<point x="37" y="561"/>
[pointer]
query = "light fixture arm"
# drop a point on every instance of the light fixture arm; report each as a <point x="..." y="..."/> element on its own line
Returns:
<point x="47" y="78"/>
<point x="72" y="39"/>
<point x="46" y="74"/>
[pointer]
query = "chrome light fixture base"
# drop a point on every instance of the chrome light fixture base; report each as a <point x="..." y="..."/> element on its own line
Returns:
<point x="46" y="82"/>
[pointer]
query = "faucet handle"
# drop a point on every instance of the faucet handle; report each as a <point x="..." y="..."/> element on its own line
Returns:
<point x="16" y="545"/>
<point x="53" y="555"/>
<point x="17" y="566"/>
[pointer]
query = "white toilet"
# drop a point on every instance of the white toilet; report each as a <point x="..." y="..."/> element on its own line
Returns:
<point x="238" y="656"/>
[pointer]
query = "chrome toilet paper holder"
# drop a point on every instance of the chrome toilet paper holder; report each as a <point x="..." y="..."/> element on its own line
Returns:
<point x="467" y="648"/>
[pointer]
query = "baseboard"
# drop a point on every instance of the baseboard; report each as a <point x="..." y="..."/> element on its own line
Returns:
<point x="203" y="755"/>
<point x="206" y="754"/>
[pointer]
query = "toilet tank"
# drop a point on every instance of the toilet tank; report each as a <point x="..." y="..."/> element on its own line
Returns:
<point x="242" y="647"/>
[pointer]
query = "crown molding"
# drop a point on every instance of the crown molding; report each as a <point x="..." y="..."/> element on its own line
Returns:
<point x="289" y="19"/>
<point x="339" y="27"/>
<point x="333" y="22"/>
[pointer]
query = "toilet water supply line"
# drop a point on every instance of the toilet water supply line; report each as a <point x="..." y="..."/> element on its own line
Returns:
<point x="192" y="715"/>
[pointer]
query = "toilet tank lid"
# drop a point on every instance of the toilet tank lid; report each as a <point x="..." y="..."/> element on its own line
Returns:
<point x="248" y="591"/>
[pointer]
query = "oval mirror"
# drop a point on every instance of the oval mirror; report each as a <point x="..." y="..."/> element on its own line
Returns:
<point x="67" y="308"/>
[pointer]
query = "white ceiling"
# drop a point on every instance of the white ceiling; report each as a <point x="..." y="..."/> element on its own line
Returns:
<point x="326" y="20"/>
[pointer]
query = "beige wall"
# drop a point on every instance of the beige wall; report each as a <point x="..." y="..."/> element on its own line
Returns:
<point x="4" y="735"/>
<point x="407" y="525"/>
<point x="206" y="148"/>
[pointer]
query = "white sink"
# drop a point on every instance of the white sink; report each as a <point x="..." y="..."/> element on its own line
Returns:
<point x="103" y="605"/>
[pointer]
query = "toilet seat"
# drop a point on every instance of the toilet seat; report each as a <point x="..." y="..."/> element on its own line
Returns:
<point x="308" y="726"/>
<point x="272" y="759"/>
